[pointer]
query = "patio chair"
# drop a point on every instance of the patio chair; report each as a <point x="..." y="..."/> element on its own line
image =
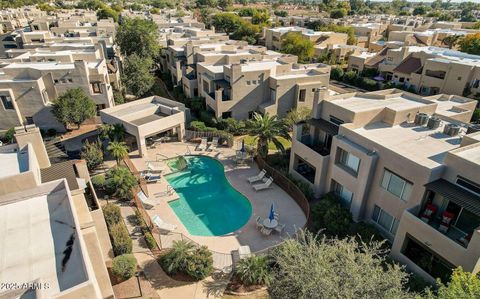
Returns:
<point x="213" y="145"/>
<point x="162" y="225"/>
<point x="447" y="218"/>
<point x="266" y="231"/>
<point x="258" y="177"/>
<point x="153" y="168"/>
<point x="276" y="215"/>
<point x="429" y="212"/>
<point x="151" y="178"/>
<point x="279" y="228"/>
<point x="267" y="184"/>
<point x="259" y="222"/>
<point x="148" y="204"/>
<point x="203" y="144"/>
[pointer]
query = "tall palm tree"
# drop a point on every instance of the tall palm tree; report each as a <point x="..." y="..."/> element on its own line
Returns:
<point x="266" y="129"/>
<point x="118" y="150"/>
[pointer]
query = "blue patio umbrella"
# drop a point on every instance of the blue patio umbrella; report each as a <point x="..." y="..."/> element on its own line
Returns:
<point x="271" y="216"/>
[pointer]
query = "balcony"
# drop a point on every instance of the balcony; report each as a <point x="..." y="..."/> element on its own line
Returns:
<point x="435" y="74"/>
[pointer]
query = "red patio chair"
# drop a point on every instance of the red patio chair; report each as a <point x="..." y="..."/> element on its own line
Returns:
<point x="428" y="213"/>
<point x="447" y="218"/>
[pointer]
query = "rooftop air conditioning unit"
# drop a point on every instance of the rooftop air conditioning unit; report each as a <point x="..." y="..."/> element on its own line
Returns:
<point x="421" y="119"/>
<point x="473" y="129"/>
<point x="433" y="122"/>
<point x="451" y="129"/>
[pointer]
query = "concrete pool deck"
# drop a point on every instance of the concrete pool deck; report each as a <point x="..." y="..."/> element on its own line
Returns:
<point x="290" y="213"/>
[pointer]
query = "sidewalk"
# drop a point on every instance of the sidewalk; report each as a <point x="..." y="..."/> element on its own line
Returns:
<point x="160" y="282"/>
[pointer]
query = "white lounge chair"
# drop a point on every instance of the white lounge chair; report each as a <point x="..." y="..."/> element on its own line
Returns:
<point x="162" y="224"/>
<point x="154" y="168"/>
<point x="263" y="186"/>
<point x="203" y="144"/>
<point x="213" y="145"/>
<point x="279" y="228"/>
<point x="145" y="201"/>
<point x="266" y="231"/>
<point x="258" y="177"/>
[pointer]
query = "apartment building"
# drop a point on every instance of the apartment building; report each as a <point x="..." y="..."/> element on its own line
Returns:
<point x="273" y="37"/>
<point x="55" y="235"/>
<point x="431" y="37"/>
<point x="28" y="89"/>
<point x="389" y="156"/>
<point x="272" y="86"/>
<point x="367" y="33"/>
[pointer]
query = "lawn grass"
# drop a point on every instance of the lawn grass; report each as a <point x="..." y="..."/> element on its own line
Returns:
<point x="251" y="141"/>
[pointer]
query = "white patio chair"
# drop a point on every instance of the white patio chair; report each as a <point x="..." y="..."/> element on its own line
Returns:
<point x="154" y="168"/>
<point x="258" y="177"/>
<point x="213" y="145"/>
<point x="145" y="201"/>
<point x="279" y="228"/>
<point x="267" y="184"/>
<point x="162" y="224"/>
<point x="266" y="231"/>
<point x="203" y="144"/>
<point x="259" y="222"/>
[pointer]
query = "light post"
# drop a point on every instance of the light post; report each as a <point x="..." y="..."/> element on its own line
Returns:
<point x="137" y="275"/>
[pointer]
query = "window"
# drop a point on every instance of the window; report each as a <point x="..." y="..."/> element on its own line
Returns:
<point x="469" y="185"/>
<point x="336" y="120"/>
<point x="254" y="82"/>
<point x="29" y="120"/>
<point x="273" y="95"/>
<point x="396" y="185"/>
<point x="96" y="87"/>
<point x="348" y="160"/>
<point x="7" y="102"/>
<point x="385" y="220"/>
<point x="45" y="96"/>
<point x="227" y="114"/>
<point x="302" y="95"/>
<point x="205" y="86"/>
<point x="70" y="80"/>
<point x="343" y="193"/>
<point x="313" y="89"/>
<point x="55" y="81"/>
<point x="459" y="78"/>
<point x="35" y="27"/>
<point x="249" y="82"/>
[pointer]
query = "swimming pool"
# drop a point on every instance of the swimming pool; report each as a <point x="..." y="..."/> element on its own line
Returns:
<point x="208" y="204"/>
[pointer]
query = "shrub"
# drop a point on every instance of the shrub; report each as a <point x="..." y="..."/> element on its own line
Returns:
<point x="99" y="181"/>
<point x="124" y="266"/>
<point x="112" y="214"/>
<point x="121" y="241"/>
<point x="120" y="181"/>
<point x="253" y="270"/>
<point x="150" y="240"/>
<point x="198" y="126"/>
<point x="369" y="84"/>
<point x="92" y="153"/>
<point x="336" y="73"/>
<point x="350" y="77"/>
<point x="366" y="232"/>
<point x="200" y="263"/>
<point x="328" y="214"/>
<point x="185" y="257"/>
<point x="9" y="135"/>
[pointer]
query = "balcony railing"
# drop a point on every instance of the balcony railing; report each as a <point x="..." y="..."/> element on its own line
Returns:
<point x="316" y="146"/>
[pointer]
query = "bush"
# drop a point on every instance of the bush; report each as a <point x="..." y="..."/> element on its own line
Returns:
<point x="186" y="257"/>
<point x="369" y="84"/>
<point x="92" y="153"/>
<point x="336" y="73"/>
<point x="112" y="214"/>
<point x="150" y="240"/>
<point x="121" y="241"/>
<point x="99" y="181"/>
<point x="330" y="216"/>
<point x="9" y="135"/>
<point x="253" y="270"/>
<point x="350" y="77"/>
<point x="366" y="232"/>
<point x="198" y="126"/>
<point x="124" y="266"/>
<point x="476" y="116"/>
<point x="200" y="263"/>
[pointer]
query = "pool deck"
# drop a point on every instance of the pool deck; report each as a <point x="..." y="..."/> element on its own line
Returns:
<point x="290" y="213"/>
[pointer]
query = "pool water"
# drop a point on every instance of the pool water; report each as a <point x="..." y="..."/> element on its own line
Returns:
<point x="208" y="204"/>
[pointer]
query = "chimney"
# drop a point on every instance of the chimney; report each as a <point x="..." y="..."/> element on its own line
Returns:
<point x="318" y="97"/>
<point x="31" y="134"/>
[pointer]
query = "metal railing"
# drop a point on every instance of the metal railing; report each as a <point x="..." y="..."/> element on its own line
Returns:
<point x="141" y="181"/>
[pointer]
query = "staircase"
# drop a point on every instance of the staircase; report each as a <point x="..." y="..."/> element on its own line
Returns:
<point x="55" y="150"/>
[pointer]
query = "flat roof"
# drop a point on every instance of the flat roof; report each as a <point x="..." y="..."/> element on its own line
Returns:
<point x="471" y="154"/>
<point x="13" y="163"/>
<point x="40" y="240"/>
<point x="359" y="103"/>
<point x="422" y="145"/>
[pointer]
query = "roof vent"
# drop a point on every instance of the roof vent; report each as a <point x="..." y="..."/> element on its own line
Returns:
<point x="421" y="119"/>
<point x="451" y="129"/>
<point x="433" y="122"/>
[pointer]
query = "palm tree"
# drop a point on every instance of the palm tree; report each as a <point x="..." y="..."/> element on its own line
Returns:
<point x="121" y="181"/>
<point x="176" y="259"/>
<point x="118" y="150"/>
<point x="253" y="270"/>
<point x="267" y="129"/>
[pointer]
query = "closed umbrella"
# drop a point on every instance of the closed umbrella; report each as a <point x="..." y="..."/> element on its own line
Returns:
<point x="272" y="213"/>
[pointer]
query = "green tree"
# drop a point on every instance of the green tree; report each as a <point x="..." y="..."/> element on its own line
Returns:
<point x="124" y="266"/>
<point x="451" y="40"/>
<point x="175" y="260"/>
<point x="462" y="285"/>
<point x="73" y="107"/>
<point x="253" y="270"/>
<point x="92" y="153"/>
<point x="226" y="22"/>
<point x="476" y="116"/>
<point x="266" y="129"/>
<point x="120" y="181"/>
<point x="420" y="10"/>
<point x="338" y="13"/>
<point x="106" y="13"/>
<point x="261" y="18"/>
<point x="224" y="4"/>
<point x="138" y="36"/>
<point x="118" y="97"/>
<point x="310" y="267"/>
<point x="247" y="32"/>
<point x="336" y="73"/>
<point x="470" y="44"/>
<point x="118" y="150"/>
<point x="207" y="3"/>
<point x="281" y="13"/>
<point x="297" y="115"/>
<point x="9" y="136"/>
<point x="293" y="43"/>
<point x="330" y="217"/>
<point x="136" y="75"/>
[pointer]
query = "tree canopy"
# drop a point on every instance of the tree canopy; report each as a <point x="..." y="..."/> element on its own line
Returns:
<point x="462" y="285"/>
<point x="106" y="13"/>
<point x="138" y="36"/>
<point x="294" y="43"/>
<point x="470" y="44"/>
<point x="73" y="107"/>
<point x="136" y="75"/>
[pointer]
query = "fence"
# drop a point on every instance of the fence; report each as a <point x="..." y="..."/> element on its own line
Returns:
<point x="288" y="186"/>
<point x="221" y="261"/>
<point x="141" y="181"/>
<point x="191" y="135"/>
